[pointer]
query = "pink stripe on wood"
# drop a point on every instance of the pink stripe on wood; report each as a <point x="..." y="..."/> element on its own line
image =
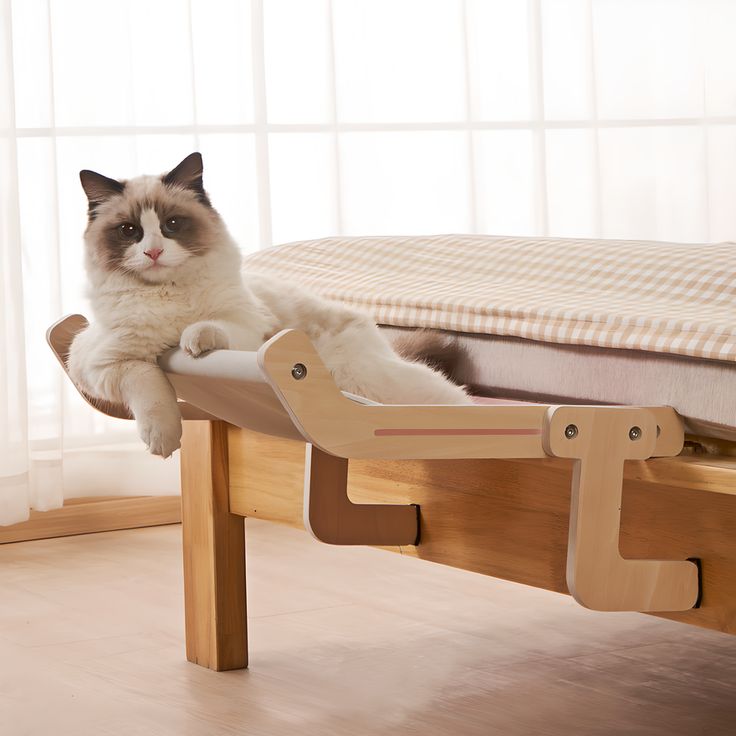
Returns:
<point x="426" y="432"/>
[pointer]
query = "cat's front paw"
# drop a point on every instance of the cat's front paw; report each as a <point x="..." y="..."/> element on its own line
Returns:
<point x="160" y="429"/>
<point x="202" y="337"/>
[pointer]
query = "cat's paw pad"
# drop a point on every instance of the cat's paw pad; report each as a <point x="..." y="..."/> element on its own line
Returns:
<point x="160" y="429"/>
<point x="201" y="337"/>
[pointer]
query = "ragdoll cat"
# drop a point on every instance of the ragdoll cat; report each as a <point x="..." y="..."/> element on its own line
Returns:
<point x="164" y="271"/>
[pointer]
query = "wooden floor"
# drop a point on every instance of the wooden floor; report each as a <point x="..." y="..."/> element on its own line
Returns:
<point x="343" y="642"/>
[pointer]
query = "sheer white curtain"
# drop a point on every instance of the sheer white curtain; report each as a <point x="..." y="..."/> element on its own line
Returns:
<point x="600" y="118"/>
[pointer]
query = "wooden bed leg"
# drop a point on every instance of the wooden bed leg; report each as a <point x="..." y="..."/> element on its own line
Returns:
<point x="331" y="517"/>
<point x="600" y="439"/>
<point x="214" y="552"/>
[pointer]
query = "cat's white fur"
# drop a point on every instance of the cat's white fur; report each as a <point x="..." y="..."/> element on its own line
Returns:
<point x="204" y="302"/>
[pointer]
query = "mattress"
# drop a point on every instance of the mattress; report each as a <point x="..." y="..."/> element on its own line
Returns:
<point x="702" y="391"/>
<point x="602" y="321"/>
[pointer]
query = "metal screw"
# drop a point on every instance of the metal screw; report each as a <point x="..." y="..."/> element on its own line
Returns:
<point x="299" y="371"/>
<point x="571" y="431"/>
<point x="635" y="434"/>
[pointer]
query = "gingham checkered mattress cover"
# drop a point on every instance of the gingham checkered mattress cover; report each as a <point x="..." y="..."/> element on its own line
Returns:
<point x="668" y="298"/>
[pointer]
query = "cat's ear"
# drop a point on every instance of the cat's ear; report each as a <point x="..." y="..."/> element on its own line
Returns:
<point x="187" y="174"/>
<point x="99" y="188"/>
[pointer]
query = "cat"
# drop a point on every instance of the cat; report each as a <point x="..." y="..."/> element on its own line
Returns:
<point x="163" y="271"/>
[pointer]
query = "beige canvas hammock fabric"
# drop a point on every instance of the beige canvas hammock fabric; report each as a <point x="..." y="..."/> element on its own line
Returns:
<point x="639" y="295"/>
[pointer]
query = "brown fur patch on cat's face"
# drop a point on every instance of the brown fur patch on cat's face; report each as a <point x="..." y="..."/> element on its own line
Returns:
<point x="149" y="226"/>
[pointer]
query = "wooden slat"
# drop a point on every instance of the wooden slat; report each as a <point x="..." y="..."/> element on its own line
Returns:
<point x="214" y="552"/>
<point x="95" y="514"/>
<point x="509" y="518"/>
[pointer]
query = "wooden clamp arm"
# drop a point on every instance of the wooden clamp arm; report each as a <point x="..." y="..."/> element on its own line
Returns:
<point x="600" y="439"/>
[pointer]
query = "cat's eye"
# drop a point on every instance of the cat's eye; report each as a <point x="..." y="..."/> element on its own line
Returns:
<point x="172" y="225"/>
<point x="129" y="231"/>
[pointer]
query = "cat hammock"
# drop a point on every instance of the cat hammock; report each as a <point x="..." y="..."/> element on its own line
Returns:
<point x="285" y="390"/>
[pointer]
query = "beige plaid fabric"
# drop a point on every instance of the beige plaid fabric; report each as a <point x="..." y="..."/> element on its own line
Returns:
<point x="662" y="297"/>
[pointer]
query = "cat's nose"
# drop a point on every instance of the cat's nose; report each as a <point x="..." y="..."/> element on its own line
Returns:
<point x="153" y="253"/>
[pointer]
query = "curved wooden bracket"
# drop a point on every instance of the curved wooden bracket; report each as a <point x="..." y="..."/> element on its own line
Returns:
<point x="600" y="439"/>
<point x="331" y="517"/>
<point x="59" y="338"/>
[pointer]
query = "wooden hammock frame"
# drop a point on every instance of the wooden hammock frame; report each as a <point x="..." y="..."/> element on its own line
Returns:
<point x="283" y="397"/>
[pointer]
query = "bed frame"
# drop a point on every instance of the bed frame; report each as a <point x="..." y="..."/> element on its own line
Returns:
<point x="595" y="501"/>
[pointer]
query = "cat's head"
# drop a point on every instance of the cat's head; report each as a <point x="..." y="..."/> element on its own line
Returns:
<point x="150" y="227"/>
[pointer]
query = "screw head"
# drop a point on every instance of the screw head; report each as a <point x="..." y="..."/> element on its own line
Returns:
<point x="571" y="431"/>
<point x="299" y="371"/>
<point x="635" y="434"/>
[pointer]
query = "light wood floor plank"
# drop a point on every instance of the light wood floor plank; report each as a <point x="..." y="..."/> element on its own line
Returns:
<point x="344" y="642"/>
